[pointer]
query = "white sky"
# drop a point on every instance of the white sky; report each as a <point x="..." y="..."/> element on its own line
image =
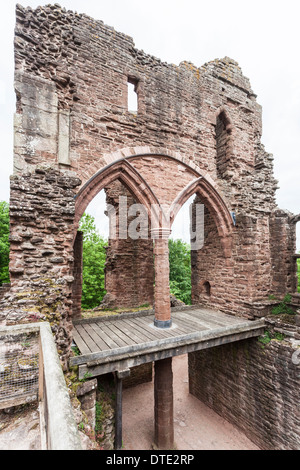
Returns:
<point x="263" y="36"/>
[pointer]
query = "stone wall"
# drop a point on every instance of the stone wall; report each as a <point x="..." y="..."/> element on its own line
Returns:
<point x="41" y="258"/>
<point x="196" y="129"/>
<point x="139" y="375"/>
<point x="253" y="385"/>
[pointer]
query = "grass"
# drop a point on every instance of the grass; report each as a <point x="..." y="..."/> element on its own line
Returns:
<point x="113" y="311"/>
<point x="283" y="308"/>
<point x="268" y="337"/>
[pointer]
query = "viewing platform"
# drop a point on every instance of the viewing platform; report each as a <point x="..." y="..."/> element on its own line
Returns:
<point x="120" y="342"/>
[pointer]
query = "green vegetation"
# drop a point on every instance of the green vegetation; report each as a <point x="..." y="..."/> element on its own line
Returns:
<point x="94" y="255"/>
<point x="180" y="270"/>
<point x="4" y="242"/>
<point x="268" y="337"/>
<point x="98" y="421"/>
<point x="283" y="307"/>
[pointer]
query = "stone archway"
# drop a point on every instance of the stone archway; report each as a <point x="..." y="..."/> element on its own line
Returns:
<point x="159" y="181"/>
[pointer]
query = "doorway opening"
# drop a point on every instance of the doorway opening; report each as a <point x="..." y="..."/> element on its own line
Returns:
<point x="180" y="257"/>
<point x="94" y="226"/>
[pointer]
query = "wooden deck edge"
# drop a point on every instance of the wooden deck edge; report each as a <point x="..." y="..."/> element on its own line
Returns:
<point x="120" y="364"/>
<point x="102" y="357"/>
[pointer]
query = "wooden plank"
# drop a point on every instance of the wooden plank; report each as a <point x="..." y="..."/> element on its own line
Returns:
<point x="144" y="332"/>
<point x="218" y="316"/>
<point x="106" y="335"/>
<point x="196" y="318"/>
<point x="114" y="334"/>
<point x="90" y="344"/>
<point x="124" y="329"/>
<point x="211" y="321"/>
<point x="80" y="342"/>
<point x="118" y="331"/>
<point x="102" y="346"/>
<point x="195" y="323"/>
<point x="154" y="333"/>
<point x="130" y="331"/>
<point x="190" y="327"/>
<point x="146" y="329"/>
<point x="165" y="332"/>
<point x="186" y="322"/>
<point x="159" y="332"/>
<point x="138" y="332"/>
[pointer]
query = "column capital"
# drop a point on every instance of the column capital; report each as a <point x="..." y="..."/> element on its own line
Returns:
<point x="160" y="233"/>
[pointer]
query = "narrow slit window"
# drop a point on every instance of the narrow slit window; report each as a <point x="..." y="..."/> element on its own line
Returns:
<point x="132" y="96"/>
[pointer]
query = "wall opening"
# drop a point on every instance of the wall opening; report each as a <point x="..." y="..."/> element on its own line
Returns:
<point x="180" y="256"/>
<point x="223" y="133"/>
<point x="94" y="233"/>
<point x="132" y="95"/>
<point x="206" y="288"/>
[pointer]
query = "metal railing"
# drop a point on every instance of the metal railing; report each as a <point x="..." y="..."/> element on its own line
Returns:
<point x="30" y="370"/>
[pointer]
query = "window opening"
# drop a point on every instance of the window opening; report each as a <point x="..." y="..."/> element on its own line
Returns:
<point x="132" y="95"/>
<point x="223" y="133"/>
<point x="206" y="288"/>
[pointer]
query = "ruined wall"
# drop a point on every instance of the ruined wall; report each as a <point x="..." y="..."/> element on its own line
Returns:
<point x="41" y="258"/>
<point x="254" y="386"/>
<point x="71" y="77"/>
<point x="283" y="249"/>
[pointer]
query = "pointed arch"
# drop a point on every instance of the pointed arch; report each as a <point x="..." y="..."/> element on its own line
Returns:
<point x="214" y="202"/>
<point x="123" y="171"/>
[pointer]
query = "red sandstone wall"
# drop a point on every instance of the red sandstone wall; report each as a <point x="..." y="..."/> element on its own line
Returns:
<point x="254" y="387"/>
<point x="71" y="88"/>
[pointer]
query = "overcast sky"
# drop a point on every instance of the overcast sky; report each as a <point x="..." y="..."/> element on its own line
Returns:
<point x="263" y="36"/>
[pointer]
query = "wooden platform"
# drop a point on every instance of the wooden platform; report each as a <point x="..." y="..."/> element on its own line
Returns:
<point x="119" y="342"/>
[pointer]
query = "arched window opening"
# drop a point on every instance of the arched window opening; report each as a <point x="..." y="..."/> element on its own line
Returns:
<point x="223" y="135"/>
<point x="206" y="288"/>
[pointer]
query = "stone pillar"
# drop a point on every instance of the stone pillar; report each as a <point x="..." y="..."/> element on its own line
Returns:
<point x="162" y="285"/>
<point x="86" y="393"/>
<point x="163" y="405"/>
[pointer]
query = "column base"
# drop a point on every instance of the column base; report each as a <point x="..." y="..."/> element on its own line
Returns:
<point x="163" y="323"/>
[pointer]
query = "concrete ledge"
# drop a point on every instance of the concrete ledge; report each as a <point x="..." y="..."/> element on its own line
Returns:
<point x="62" y="432"/>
